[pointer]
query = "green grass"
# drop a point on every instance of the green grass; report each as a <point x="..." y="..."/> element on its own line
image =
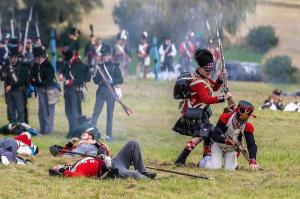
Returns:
<point x="155" y="112"/>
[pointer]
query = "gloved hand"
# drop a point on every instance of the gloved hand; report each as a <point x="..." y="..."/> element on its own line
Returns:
<point x="69" y="82"/>
<point x="253" y="165"/>
<point x="107" y="160"/>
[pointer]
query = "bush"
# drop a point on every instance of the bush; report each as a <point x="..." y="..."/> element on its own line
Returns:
<point x="280" y="69"/>
<point x="262" y="38"/>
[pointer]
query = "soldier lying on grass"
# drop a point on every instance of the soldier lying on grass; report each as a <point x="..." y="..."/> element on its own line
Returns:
<point x="86" y="145"/>
<point x="10" y="148"/>
<point x="105" y="167"/>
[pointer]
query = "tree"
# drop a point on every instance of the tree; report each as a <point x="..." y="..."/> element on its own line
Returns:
<point x="279" y="69"/>
<point x="56" y="14"/>
<point x="176" y="17"/>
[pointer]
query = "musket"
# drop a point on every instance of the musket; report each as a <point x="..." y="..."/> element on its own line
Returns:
<point x="225" y="88"/>
<point x="37" y="30"/>
<point x="12" y="22"/>
<point x="148" y="167"/>
<point x="0" y="26"/>
<point x="26" y="30"/>
<point x="244" y="153"/>
<point x="92" y="30"/>
<point x="180" y="173"/>
<point x="208" y="29"/>
<point x="113" y="92"/>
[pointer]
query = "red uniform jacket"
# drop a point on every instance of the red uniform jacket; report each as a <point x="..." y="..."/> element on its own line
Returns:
<point x="201" y="92"/>
<point x="87" y="167"/>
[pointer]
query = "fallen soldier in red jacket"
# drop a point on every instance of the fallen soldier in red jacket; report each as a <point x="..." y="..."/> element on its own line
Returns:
<point x="104" y="166"/>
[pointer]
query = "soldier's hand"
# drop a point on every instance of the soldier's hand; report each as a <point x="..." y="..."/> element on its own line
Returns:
<point x="74" y="140"/>
<point x="61" y="77"/>
<point x="222" y="74"/>
<point x="227" y="96"/>
<point x="8" y="88"/>
<point x="230" y="141"/>
<point x="253" y="165"/>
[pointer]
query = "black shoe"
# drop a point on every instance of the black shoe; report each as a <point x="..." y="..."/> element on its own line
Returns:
<point x="54" y="150"/>
<point x="53" y="172"/>
<point x="180" y="161"/>
<point x="149" y="174"/>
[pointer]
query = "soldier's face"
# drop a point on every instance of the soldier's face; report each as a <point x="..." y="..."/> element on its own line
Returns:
<point x="204" y="72"/>
<point x="106" y="58"/>
<point x="86" y="136"/>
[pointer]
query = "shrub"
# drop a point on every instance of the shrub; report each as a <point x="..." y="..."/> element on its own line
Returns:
<point x="280" y="69"/>
<point x="262" y="38"/>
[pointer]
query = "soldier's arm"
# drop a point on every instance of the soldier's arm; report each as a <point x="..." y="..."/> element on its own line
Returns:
<point x="204" y="95"/>
<point x="220" y="129"/>
<point x="250" y="141"/>
<point x="117" y="76"/>
<point x="216" y="85"/>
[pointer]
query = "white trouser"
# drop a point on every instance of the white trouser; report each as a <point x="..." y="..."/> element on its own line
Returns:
<point x="215" y="160"/>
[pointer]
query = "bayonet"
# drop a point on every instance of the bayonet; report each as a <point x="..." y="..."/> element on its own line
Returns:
<point x="208" y="28"/>
<point x="12" y="22"/>
<point x="37" y="30"/>
<point x="26" y="30"/>
<point x="0" y="26"/>
<point x="225" y="88"/>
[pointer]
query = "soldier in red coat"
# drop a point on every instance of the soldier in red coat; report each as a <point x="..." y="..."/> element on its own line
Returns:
<point x="196" y="109"/>
<point x="227" y="135"/>
<point x="105" y="166"/>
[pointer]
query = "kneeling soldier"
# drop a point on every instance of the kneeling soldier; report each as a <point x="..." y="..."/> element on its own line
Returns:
<point x="227" y="136"/>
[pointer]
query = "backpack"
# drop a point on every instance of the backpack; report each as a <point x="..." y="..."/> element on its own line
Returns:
<point x="181" y="88"/>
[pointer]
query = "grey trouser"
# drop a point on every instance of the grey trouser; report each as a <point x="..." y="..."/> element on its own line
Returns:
<point x="103" y="94"/>
<point x="46" y="112"/>
<point x="73" y="100"/>
<point x="130" y="154"/>
<point x="15" y="106"/>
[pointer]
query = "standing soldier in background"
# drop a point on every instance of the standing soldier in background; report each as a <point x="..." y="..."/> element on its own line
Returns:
<point x="196" y="109"/>
<point x="90" y="48"/>
<point x="73" y="41"/>
<point x="121" y="52"/>
<point x="43" y="77"/>
<point x="103" y="94"/>
<point x="74" y="76"/>
<point x="167" y="53"/>
<point x="186" y="51"/>
<point x="142" y="55"/>
<point x="16" y="78"/>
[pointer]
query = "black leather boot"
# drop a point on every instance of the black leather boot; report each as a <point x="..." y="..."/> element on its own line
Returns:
<point x="180" y="161"/>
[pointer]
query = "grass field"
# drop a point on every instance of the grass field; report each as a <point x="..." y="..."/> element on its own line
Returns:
<point x="277" y="135"/>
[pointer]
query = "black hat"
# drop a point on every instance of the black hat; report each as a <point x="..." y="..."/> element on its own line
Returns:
<point x="244" y="110"/>
<point x="67" y="52"/>
<point x="39" y="51"/>
<point x="105" y="50"/>
<point x="204" y="59"/>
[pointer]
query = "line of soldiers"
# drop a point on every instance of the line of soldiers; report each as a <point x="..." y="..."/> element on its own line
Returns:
<point x="32" y="70"/>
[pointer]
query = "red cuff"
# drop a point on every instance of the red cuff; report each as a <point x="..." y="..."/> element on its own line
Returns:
<point x="252" y="161"/>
